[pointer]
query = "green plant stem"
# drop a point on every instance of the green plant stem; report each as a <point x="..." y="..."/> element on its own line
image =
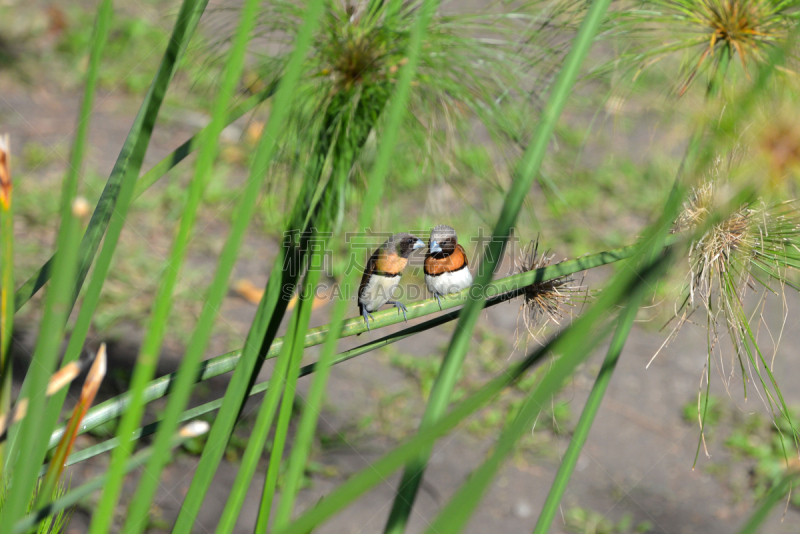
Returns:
<point x="376" y="184"/>
<point x="113" y="408"/>
<point x="147" y="430"/>
<point x="279" y="381"/>
<point x="116" y="196"/>
<point x="76" y="495"/>
<point x="6" y="312"/>
<point x="275" y="298"/>
<point x="628" y="287"/>
<point x="101" y="30"/>
<point x="27" y="441"/>
<point x="27" y="452"/>
<point x="524" y="176"/>
<point x="775" y="495"/>
<point x="588" y="414"/>
<point x="151" y="345"/>
<point x="262" y="425"/>
<point x="281" y="431"/>
<point x="139" y="509"/>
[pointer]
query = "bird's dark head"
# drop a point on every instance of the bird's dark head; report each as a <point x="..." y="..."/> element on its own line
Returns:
<point x="404" y="244"/>
<point x="443" y="240"/>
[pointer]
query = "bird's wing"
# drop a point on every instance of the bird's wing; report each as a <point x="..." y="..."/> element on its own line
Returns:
<point x="460" y="249"/>
<point x="368" y="272"/>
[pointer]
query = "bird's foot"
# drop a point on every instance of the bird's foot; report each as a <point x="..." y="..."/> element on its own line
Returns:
<point x="367" y="316"/>
<point x="400" y="306"/>
<point x="438" y="300"/>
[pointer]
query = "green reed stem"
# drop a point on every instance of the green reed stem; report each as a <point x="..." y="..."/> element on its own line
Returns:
<point x="6" y="304"/>
<point x="78" y="494"/>
<point x="26" y="453"/>
<point x="290" y="376"/>
<point x="147" y="430"/>
<point x="374" y="192"/>
<point x="100" y="36"/>
<point x="273" y="302"/>
<point x="116" y="196"/>
<point x="378" y="471"/>
<point x="775" y="495"/>
<point x="139" y="509"/>
<point x="151" y="345"/>
<point x="283" y="379"/>
<point x="27" y="441"/>
<point x="628" y="287"/>
<point x="525" y="174"/>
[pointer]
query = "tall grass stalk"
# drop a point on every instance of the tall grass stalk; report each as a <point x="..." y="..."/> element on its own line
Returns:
<point x="151" y="345"/>
<point x="376" y="183"/>
<point x="581" y="432"/>
<point x="27" y="440"/>
<point x="117" y="196"/>
<point x="286" y="409"/>
<point x="112" y="208"/>
<point x="100" y="36"/>
<point x="274" y="300"/>
<point x="525" y="174"/>
<point x="137" y="515"/>
<point x="592" y="405"/>
<point x="76" y="495"/>
<point x="286" y="366"/>
<point x="775" y="495"/>
<point x="6" y="283"/>
<point x="26" y="453"/>
<point x="588" y="330"/>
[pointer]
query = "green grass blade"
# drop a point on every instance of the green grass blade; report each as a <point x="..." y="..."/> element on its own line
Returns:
<point x="775" y="495"/>
<point x="282" y="426"/>
<point x="273" y="302"/>
<point x="26" y="444"/>
<point x="151" y="345"/>
<point x="624" y="324"/>
<point x="284" y="377"/>
<point x="147" y="430"/>
<point x="374" y="193"/>
<point x="78" y="494"/>
<point x="628" y="287"/>
<point x="99" y="38"/>
<point x="26" y="453"/>
<point x="6" y="283"/>
<point x="138" y="512"/>
<point x="161" y="168"/>
<point x="525" y="174"/>
<point x="266" y="414"/>
<point x="115" y="198"/>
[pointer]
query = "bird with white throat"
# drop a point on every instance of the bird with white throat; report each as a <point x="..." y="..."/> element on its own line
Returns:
<point x="446" y="265"/>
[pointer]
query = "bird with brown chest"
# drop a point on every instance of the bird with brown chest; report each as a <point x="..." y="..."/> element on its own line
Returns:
<point x="382" y="274"/>
<point x="446" y="265"/>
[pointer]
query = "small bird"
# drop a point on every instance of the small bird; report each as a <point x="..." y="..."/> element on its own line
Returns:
<point x="382" y="274"/>
<point x="446" y="266"/>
